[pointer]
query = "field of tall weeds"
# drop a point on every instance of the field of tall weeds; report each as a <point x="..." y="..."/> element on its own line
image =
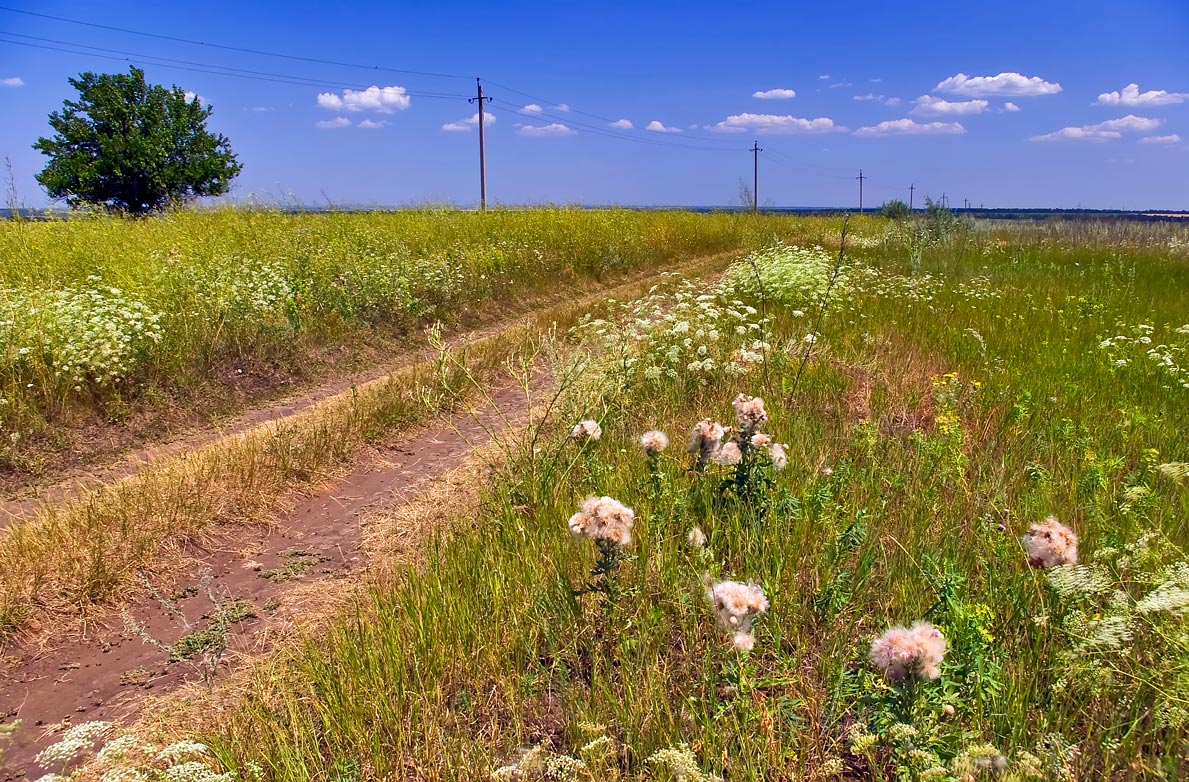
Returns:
<point x="915" y="512"/>
<point x="103" y="318"/>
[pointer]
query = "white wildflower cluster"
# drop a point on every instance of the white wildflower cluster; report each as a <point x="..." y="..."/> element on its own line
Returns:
<point x="680" y="332"/>
<point x="682" y="764"/>
<point x="915" y="651"/>
<point x="540" y="763"/>
<point x="196" y="771"/>
<point x="118" y="748"/>
<point x="604" y="518"/>
<point x="735" y="606"/>
<point x="1140" y="346"/>
<point x="79" y="738"/>
<point x="96" y="334"/>
<point x="789" y="274"/>
<point x="181" y="750"/>
<point x="248" y="290"/>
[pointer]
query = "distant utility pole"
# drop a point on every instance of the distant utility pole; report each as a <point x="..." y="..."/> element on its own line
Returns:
<point x="860" y="177"/>
<point x="911" y="188"/>
<point x="755" y="176"/>
<point x="482" y="154"/>
<point x="965" y="204"/>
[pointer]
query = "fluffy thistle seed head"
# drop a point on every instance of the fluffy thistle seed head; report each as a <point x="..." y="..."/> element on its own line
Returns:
<point x="760" y="440"/>
<point x="728" y="455"/>
<point x="586" y="430"/>
<point x="705" y="439"/>
<point x="749" y="412"/>
<point x="654" y="441"/>
<point x="777" y="454"/>
<point x="735" y="606"/>
<point x="1051" y="543"/>
<point x="914" y="651"/>
<point x="697" y="538"/>
<point x="604" y="518"/>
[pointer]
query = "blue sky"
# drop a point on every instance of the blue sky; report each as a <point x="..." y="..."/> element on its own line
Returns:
<point x="997" y="102"/>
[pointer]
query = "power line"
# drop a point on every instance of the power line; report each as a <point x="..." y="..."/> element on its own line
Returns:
<point x="608" y="120"/>
<point x="808" y="169"/>
<point x="241" y="49"/>
<point x="509" y="106"/>
<point x="170" y="62"/>
<point x="300" y="81"/>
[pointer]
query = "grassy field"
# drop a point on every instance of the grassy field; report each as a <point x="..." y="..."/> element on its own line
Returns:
<point x="106" y="323"/>
<point x="940" y="391"/>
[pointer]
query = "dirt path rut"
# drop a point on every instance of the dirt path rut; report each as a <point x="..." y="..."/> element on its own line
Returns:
<point x="105" y="675"/>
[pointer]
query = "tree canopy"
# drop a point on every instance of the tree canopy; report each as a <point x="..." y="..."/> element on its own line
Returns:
<point x="133" y="147"/>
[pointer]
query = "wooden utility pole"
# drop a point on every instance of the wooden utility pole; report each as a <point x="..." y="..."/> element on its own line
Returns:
<point x="860" y="177"/>
<point x="482" y="154"/>
<point x="911" y="188"/>
<point x="755" y="176"/>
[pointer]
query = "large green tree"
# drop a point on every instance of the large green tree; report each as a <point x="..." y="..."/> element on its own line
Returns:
<point x="133" y="147"/>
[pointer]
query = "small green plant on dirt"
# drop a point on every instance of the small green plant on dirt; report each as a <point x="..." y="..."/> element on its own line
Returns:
<point x="211" y="641"/>
<point x="296" y="563"/>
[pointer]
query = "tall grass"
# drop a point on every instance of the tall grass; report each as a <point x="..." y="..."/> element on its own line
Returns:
<point x="919" y="453"/>
<point x="101" y="317"/>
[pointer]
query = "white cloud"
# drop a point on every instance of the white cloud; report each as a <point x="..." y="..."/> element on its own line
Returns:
<point x="884" y="99"/>
<point x="190" y="96"/>
<point x="777" y="94"/>
<point x="837" y="85"/>
<point x="1005" y="84"/>
<point x="623" y="124"/>
<point x="1103" y="131"/>
<point x="927" y="104"/>
<point x="1170" y="139"/>
<point x="258" y="109"/>
<point x="552" y="129"/>
<point x="1009" y="106"/>
<point x="385" y="100"/>
<point x="532" y="108"/>
<point x="12" y="81"/>
<point x="775" y="123"/>
<point x="470" y="122"/>
<point x="1131" y="96"/>
<point x="824" y="77"/>
<point x="910" y="127"/>
<point x="562" y="107"/>
<point x="371" y="124"/>
<point x="337" y="122"/>
<point x="659" y="127"/>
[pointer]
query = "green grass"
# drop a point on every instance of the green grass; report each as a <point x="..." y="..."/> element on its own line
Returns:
<point x="932" y="438"/>
<point x="103" y="318"/>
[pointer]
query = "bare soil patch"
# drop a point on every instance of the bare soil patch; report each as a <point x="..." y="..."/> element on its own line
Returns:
<point x="141" y="650"/>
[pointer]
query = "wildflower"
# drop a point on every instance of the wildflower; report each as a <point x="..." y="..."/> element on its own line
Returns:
<point x="779" y="458"/>
<point x="735" y="606"/>
<point x="654" y="441"/>
<point x="705" y="439"/>
<point x="728" y="455"/>
<point x="586" y="430"/>
<point x="1051" y="543"/>
<point x="75" y="740"/>
<point x="697" y="538"/>
<point x="749" y="412"/>
<point x="604" y="518"/>
<point x="917" y="651"/>
<point x="760" y="440"/>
